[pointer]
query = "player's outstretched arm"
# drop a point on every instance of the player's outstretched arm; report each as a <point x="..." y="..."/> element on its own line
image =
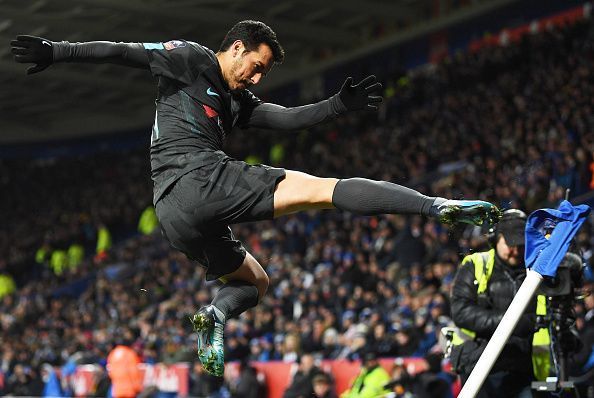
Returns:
<point x="42" y="52"/>
<point x="351" y="97"/>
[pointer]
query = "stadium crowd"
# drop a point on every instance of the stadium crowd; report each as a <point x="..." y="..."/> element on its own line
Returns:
<point x="513" y="125"/>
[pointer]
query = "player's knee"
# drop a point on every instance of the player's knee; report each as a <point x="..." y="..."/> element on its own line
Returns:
<point x="262" y="283"/>
<point x="251" y="271"/>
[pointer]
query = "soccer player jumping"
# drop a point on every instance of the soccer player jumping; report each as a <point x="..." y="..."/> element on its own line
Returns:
<point x="199" y="191"/>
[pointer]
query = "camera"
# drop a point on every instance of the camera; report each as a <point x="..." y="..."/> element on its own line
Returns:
<point x="569" y="277"/>
<point x="561" y="292"/>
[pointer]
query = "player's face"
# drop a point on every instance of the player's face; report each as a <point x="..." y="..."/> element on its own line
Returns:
<point x="249" y="67"/>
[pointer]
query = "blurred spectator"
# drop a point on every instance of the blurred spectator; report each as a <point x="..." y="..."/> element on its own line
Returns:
<point x="7" y="285"/>
<point x="302" y="383"/>
<point x="103" y="242"/>
<point x="371" y="381"/>
<point x="202" y="384"/>
<point x="382" y="342"/>
<point x="433" y="382"/>
<point x="291" y="348"/>
<point x="583" y="359"/>
<point x="247" y="386"/>
<point x="24" y="381"/>
<point x="75" y="255"/>
<point x="51" y="382"/>
<point x="59" y="261"/>
<point x="322" y="386"/>
<point x="123" y="367"/>
<point x="148" y="221"/>
<point x="401" y="383"/>
<point x="406" y="339"/>
<point x="330" y="343"/>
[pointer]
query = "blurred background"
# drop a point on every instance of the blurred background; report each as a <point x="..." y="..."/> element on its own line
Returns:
<point x="489" y="99"/>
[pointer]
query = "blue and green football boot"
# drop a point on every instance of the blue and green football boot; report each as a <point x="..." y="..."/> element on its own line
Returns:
<point x="475" y="212"/>
<point x="209" y="323"/>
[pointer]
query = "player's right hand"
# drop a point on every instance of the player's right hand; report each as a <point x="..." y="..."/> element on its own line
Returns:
<point x="33" y="49"/>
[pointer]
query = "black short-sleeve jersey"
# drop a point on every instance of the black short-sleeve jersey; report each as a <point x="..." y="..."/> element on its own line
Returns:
<point x="195" y="110"/>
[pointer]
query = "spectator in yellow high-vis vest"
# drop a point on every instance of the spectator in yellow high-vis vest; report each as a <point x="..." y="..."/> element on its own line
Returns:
<point x="7" y="285"/>
<point x="483" y="289"/>
<point x="58" y="261"/>
<point x="103" y="239"/>
<point x="371" y="381"/>
<point x="148" y="221"/>
<point x="43" y="253"/>
<point x="75" y="255"/>
<point x="103" y="244"/>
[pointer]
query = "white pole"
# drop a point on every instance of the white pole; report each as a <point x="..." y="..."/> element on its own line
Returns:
<point x="499" y="339"/>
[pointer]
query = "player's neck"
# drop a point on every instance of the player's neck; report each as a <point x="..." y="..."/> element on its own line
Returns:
<point x="223" y="64"/>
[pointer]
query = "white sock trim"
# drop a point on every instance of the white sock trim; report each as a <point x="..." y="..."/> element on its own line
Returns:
<point x="219" y="314"/>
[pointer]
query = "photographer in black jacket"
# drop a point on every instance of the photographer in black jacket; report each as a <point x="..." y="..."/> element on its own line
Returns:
<point x="483" y="289"/>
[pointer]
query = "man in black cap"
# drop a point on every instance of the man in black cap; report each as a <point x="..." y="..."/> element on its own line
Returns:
<point x="483" y="289"/>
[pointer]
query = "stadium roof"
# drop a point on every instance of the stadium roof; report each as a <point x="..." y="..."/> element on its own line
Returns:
<point x="69" y="100"/>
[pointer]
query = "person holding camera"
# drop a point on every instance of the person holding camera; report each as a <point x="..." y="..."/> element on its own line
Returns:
<point x="483" y="289"/>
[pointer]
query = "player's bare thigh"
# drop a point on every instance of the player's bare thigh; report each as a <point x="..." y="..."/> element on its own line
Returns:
<point x="300" y="191"/>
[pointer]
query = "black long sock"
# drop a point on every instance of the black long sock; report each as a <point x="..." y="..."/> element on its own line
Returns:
<point x="369" y="197"/>
<point x="235" y="297"/>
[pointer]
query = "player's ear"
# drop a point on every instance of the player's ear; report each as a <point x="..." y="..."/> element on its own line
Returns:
<point x="237" y="48"/>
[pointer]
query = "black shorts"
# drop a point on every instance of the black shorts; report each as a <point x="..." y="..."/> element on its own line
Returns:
<point x="196" y="211"/>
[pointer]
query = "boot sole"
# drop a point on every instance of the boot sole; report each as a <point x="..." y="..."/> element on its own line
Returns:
<point x="200" y="323"/>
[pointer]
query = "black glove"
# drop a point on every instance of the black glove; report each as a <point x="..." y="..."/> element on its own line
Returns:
<point x="359" y="96"/>
<point x="32" y="49"/>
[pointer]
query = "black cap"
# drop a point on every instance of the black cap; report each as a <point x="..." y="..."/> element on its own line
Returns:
<point x="512" y="230"/>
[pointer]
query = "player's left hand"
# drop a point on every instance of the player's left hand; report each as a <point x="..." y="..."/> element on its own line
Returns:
<point x="33" y="49"/>
<point x="360" y="95"/>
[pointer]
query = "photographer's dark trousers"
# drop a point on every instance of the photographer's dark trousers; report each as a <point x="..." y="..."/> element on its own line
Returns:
<point x="504" y="384"/>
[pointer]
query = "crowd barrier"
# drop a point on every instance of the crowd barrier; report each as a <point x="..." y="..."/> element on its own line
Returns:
<point x="166" y="378"/>
<point x="275" y="374"/>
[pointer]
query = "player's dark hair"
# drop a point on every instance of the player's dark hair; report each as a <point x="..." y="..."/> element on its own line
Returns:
<point x="252" y="34"/>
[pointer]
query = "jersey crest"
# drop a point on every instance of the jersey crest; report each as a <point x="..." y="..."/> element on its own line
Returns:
<point x="170" y="45"/>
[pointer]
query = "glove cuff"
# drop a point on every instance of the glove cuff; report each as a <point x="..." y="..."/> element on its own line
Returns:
<point x="61" y="50"/>
<point x="336" y="105"/>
